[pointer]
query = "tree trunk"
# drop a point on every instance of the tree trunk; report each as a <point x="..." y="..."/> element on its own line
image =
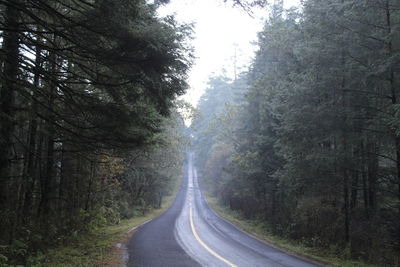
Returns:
<point x="47" y="181"/>
<point x="30" y="173"/>
<point x="372" y="177"/>
<point x="7" y="111"/>
<point x="346" y="206"/>
<point x="7" y="97"/>
<point x="394" y="101"/>
<point x="90" y="185"/>
<point x="354" y="191"/>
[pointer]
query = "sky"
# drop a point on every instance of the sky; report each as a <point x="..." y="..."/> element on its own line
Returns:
<point x="219" y="31"/>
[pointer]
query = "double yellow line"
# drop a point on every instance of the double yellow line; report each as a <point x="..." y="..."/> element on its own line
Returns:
<point x="212" y="252"/>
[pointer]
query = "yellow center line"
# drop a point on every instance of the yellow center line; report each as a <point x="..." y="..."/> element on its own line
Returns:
<point x="215" y="254"/>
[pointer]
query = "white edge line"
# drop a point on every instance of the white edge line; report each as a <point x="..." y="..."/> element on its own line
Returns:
<point x="140" y="225"/>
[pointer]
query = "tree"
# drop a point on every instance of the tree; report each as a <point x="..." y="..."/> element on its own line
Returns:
<point x="84" y="86"/>
<point x="315" y="150"/>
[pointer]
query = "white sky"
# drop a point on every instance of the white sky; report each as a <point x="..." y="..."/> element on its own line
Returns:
<point x="219" y="28"/>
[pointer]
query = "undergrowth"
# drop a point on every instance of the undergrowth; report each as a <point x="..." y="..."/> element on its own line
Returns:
<point x="97" y="247"/>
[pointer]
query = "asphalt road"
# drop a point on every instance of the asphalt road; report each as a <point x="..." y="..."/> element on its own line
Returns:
<point x="191" y="234"/>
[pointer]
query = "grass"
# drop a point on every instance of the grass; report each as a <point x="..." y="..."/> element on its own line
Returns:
<point x="98" y="248"/>
<point x="261" y="232"/>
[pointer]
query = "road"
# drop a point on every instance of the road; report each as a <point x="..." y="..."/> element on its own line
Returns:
<point x="191" y="234"/>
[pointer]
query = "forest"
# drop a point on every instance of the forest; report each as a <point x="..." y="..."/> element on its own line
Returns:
<point x="307" y="141"/>
<point x="90" y="130"/>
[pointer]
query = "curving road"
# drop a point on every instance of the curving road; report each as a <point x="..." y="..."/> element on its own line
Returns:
<point x="191" y="234"/>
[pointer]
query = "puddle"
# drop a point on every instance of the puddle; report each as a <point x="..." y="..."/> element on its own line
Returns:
<point x="125" y="255"/>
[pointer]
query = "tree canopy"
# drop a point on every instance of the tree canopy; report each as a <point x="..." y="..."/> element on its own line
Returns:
<point x="88" y="115"/>
<point x="312" y="150"/>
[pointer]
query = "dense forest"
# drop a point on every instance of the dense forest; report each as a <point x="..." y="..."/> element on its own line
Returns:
<point x="307" y="141"/>
<point x="90" y="129"/>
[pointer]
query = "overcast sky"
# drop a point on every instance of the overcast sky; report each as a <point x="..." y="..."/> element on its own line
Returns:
<point x="219" y="28"/>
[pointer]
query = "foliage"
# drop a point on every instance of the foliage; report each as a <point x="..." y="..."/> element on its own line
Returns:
<point x="99" y="247"/>
<point x="313" y="148"/>
<point x="90" y="131"/>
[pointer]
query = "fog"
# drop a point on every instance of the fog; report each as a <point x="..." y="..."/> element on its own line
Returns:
<point x="221" y="31"/>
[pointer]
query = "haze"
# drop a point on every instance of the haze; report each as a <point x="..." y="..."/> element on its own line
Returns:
<point x="220" y="29"/>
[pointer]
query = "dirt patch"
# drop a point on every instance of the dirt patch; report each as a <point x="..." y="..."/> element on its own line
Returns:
<point x="117" y="255"/>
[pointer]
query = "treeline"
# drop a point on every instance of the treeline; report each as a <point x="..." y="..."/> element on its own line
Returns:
<point x="90" y="131"/>
<point x="312" y="148"/>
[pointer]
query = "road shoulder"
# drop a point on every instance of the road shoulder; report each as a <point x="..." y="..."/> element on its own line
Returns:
<point x="256" y="230"/>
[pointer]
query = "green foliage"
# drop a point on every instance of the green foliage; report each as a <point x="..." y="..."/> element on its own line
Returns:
<point x="90" y="127"/>
<point x="313" y="148"/>
<point x="9" y="254"/>
<point x="96" y="247"/>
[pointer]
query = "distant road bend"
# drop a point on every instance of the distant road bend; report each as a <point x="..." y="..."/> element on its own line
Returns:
<point x="191" y="234"/>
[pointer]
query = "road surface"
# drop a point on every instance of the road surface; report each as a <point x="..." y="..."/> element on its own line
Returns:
<point x="191" y="234"/>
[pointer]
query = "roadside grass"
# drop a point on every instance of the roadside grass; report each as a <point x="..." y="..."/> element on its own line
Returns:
<point x="99" y="248"/>
<point x="260" y="230"/>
